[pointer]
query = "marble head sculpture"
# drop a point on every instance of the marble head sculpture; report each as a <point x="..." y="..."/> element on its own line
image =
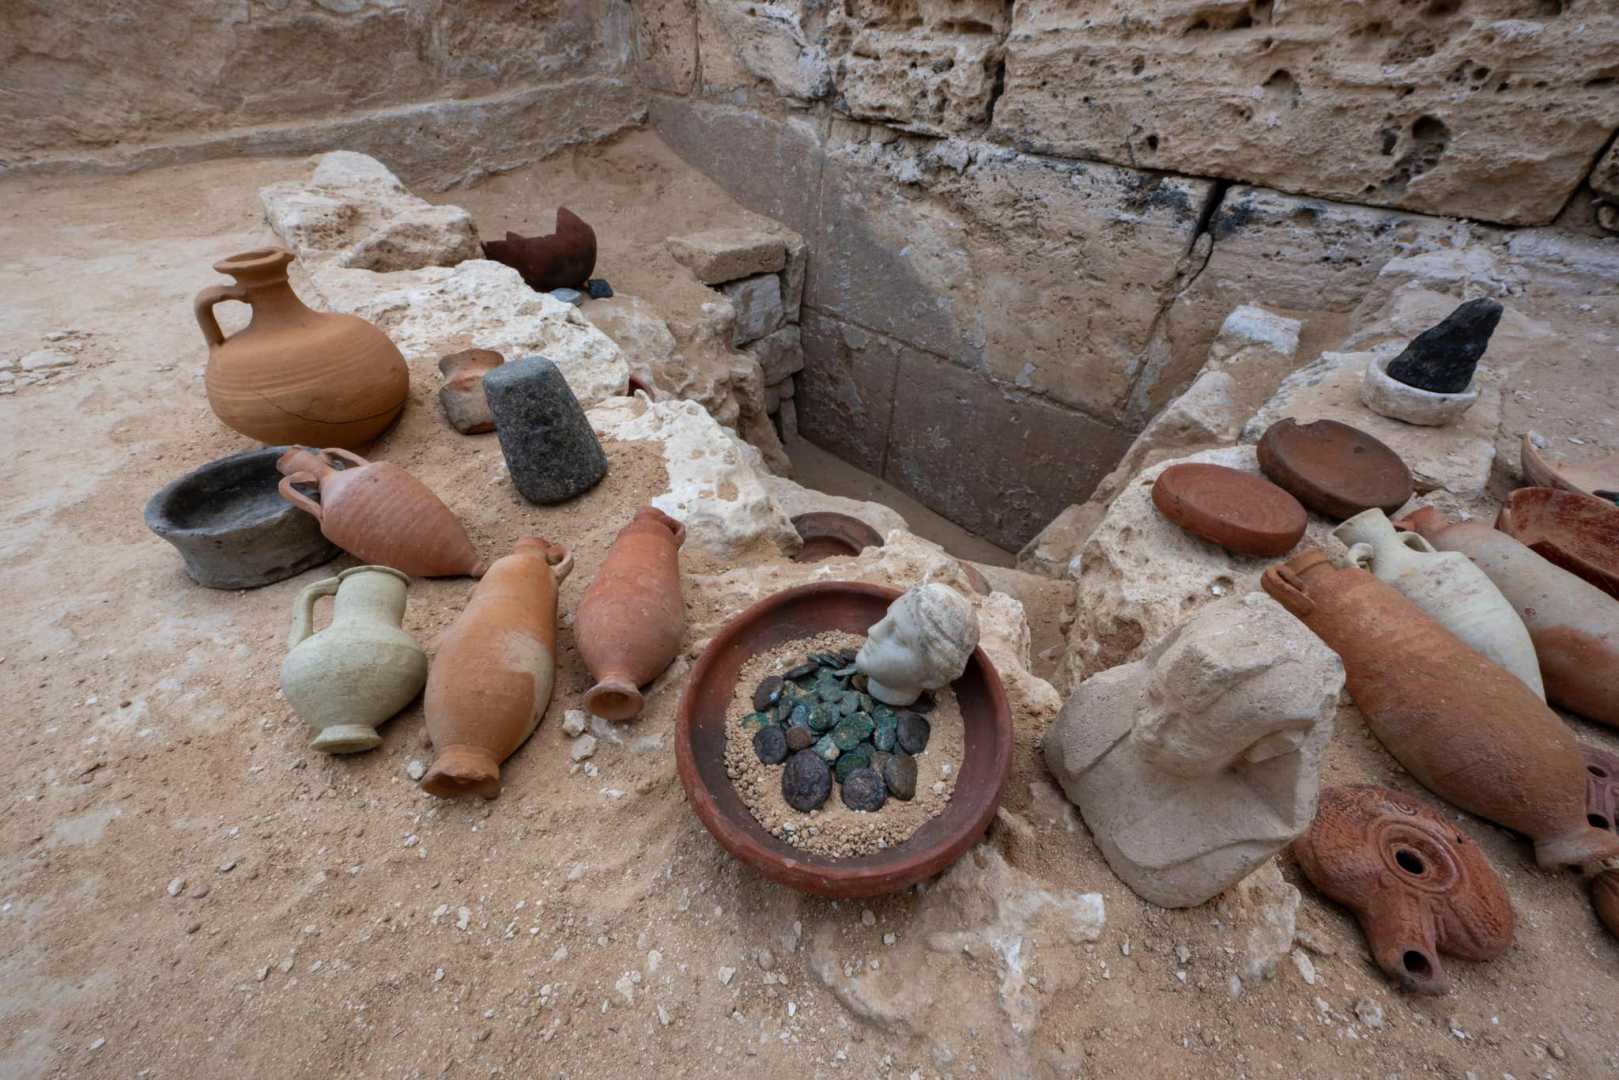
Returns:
<point x="923" y="643"/>
<point x="1200" y="761"/>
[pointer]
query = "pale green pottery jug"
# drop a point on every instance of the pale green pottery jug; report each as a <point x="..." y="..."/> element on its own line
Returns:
<point x="360" y="670"/>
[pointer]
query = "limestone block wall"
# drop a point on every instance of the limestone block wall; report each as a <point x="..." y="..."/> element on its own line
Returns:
<point x="1027" y="222"/>
<point x="442" y="90"/>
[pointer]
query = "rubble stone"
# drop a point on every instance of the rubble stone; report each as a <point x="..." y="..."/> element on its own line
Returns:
<point x="716" y="256"/>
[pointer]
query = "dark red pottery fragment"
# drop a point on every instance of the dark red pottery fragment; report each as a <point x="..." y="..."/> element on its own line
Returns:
<point x="1578" y="532"/>
<point x="562" y="260"/>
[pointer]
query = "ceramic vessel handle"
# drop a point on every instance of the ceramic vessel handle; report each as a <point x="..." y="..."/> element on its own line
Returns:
<point x="1417" y="542"/>
<point x="563" y="566"/>
<point x="296" y="497"/>
<point x="203" y="308"/>
<point x="1284" y="586"/>
<point x="303" y="609"/>
<point x="345" y="455"/>
<point x="1362" y="554"/>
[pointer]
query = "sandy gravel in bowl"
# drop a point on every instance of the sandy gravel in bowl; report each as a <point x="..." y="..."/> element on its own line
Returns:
<point x="834" y="830"/>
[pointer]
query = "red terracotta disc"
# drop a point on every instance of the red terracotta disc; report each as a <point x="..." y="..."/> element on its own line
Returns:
<point x="1334" y="469"/>
<point x="1241" y="512"/>
<point x="1576" y="531"/>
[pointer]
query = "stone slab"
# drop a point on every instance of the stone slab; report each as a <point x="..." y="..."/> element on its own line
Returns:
<point x="715" y="256"/>
<point x="757" y="303"/>
<point x="1484" y="109"/>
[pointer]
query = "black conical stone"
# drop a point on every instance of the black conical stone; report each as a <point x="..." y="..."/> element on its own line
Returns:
<point x="1441" y="359"/>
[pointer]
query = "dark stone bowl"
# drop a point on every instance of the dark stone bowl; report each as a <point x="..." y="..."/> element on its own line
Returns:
<point x="231" y="526"/>
<point x="700" y="749"/>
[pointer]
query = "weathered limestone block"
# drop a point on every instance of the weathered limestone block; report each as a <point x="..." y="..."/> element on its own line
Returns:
<point x="924" y="65"/>
<point x="740" y="42"/>
<point x="1200" y="761"/>
<point x="795" y="499"/>
<point x="1207" y="415"/>
<point x="1479" y="109"/>
<point x="757" y="303"/>
<point x="1139" y="575"/>
<point x="1299" y="256"/>
<point x="1051" y="553"/>
<point x="715" y="256"/>
<point x="692" y="361"/>
<point x="1257" y="348"/>
<point x="666" y="44"/>
<point x="716" y="481"/>
<point x="780" y="354"/>
<point x="476" y="304"/>
<point x="792" y="277"/>
<point x="1455" y="458"/>
<point x="353" y="212"/>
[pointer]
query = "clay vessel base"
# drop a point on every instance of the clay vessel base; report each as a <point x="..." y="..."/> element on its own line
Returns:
<point x="346" y="739"/>
<point x="614" y="699"/>
<point x="463" y="770"/>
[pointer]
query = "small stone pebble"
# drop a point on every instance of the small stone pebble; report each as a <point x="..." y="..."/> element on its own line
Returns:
<point x="1369" y="1013"/>
<point x="569" y="296"/>
<point x="583" y="747"/>
<point x="899" y="774"/>
<point x="768" y="693"/>
<point x="912" y="732"/>
<point x="770" y="744"/>
<point x="806" y="781"/>
<point x="864" y="790"/>
<point x="574" y="723"/>
<point x="177" y="886"/>
<point x="415" y="770"/>
<point x="598" y="289"/>
<point x="800" y="738"/>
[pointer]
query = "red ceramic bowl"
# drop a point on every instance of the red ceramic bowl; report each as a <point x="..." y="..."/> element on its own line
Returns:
<point x="700" y="749"/>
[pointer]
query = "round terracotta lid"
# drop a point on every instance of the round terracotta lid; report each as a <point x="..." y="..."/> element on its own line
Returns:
<point x="1241" y="512"/>
<point x="1334" y="469"/>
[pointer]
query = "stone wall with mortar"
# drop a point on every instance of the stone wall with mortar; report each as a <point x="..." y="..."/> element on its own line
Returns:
<point x="1027" y="222"/>
<point x="444" y="91"/>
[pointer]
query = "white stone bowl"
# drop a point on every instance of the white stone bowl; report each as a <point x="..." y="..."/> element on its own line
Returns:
<point x="1388" y="396"/>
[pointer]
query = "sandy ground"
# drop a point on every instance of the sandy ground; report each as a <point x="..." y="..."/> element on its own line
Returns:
<point x="330" y="919"/>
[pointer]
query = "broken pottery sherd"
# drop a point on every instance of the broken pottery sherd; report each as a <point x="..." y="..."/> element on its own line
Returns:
<point x="1388" y="396"/>
<point x="1578" y="532"/>
<point x="1241" y="512"/>
<point x="550" y="448"/>
<point x="359" y="671"/>
<point x="296" y="375"/>
<point x="1334" y="469"/>
<point x="1599" y="479"/>
<point x="1467" y="729"/>
<point x="1195" y="764"/>
<point x="629" y="623"/>
<point x="922" y="643"/>
<point x="231" y="526"/>
<point x="1443" y="358"/>
<point x="1418" y="885"/>
<point x="561" y="260"/>
<point x="461" y="396"/>
<point x="492" y="675"/>
<point x="1574" y="624"/>
<point x="378" y="512"/>
<point x="1447" y="586"/>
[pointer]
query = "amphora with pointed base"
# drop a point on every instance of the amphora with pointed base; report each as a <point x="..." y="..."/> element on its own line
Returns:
<point x="629" y="623"/>
<point x="1467" y="729"/>
<point x="494" y="669"/>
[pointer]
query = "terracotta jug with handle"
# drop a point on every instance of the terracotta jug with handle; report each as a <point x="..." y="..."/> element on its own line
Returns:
<point x="493" y="672"/>
<point x="1467" y="729"/>
<point x="296" y="375"/>
<point x="629" y="623"/>
<point x="359" y="671"/>
<point x="378" y="512"/>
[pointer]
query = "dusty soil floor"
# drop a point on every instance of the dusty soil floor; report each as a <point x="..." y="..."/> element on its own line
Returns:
<point x="189" y="892"/>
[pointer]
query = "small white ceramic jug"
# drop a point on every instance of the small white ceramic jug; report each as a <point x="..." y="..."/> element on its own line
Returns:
<point x="1447" y="586"/>
<point x="360" y="670"/>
